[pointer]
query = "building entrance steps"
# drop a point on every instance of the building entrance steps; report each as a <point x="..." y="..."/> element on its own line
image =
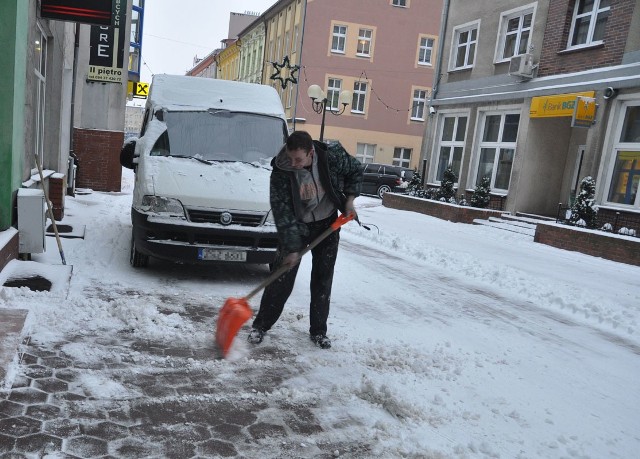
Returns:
<point x="525" y="225"/>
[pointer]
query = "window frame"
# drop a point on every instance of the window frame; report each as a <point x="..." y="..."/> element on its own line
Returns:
<point x="616" y="147"/>
<point x="450" y="144"/>
<point x="399" y="3"/>
<point x="362" y="157"/>
<point x="422" y="48"/>
<point x="400" y="160"/>
<point x="40" y="88"/>
<point x="419" y="104"/>
<point x="593" y="14"/>
<point x="360" y="95"/>
<point x="365" y="41"/>
<point x="507" y="16"/>
<point x="334" y="87"/>
<point x="338" y="37"/>
<point x="497" y="146"/>
<point x="455" y="45"/>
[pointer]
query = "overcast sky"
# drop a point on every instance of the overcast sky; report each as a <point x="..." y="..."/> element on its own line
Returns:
<point x="175" y="32"/>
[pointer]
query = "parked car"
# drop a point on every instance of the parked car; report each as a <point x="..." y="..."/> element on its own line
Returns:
<point x="382" y="178"/>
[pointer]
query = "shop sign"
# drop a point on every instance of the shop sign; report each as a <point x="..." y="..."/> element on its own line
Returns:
<point x="585" y="112"/>
<point x="107" y="45"/>
<point x="556" y="105"/>
<point x="138" y="89"/>
<point x="98" y="12"/>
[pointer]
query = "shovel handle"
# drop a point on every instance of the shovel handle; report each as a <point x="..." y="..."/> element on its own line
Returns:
<point x="341" y="220"/>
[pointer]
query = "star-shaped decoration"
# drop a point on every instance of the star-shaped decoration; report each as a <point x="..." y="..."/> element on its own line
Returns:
<point x="291" y="70"/>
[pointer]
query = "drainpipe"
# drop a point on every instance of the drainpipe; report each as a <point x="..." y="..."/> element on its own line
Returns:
<point x="443" y="30"/>
<point x="304" y="21"/>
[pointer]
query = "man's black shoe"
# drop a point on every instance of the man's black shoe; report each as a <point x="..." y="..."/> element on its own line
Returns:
<point x="256" y="336"/>
<point x="321" y="341"/>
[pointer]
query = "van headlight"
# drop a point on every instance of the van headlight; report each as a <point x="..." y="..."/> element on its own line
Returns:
<point x="160" y="204"/>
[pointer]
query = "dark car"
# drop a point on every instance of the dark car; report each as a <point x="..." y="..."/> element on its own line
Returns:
<point x="382" y="178"/>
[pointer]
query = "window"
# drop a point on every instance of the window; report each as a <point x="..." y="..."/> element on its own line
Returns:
<point x="364" y="42"/>
<point x="464" y="46"/>
<point x="515" y="33"/>
<point x="399" y="2"/>
<point x="497" y="149"/>
<point x="359" y="95"/>
<point x="626" y="168"/>
<point x="401" y="156"/>
<point x="452" y="133"/>
<point x="426" y="51"/>
<point x="366" y="152"/>
<point x="40" y="58"/>
<point x="339" y="39"/>
<point x="333" y="93"/>
<point x="419" y="102"/>
<point x="588" y="23"/>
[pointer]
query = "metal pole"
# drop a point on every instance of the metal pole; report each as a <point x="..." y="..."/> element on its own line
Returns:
<point x="324" y="112"/>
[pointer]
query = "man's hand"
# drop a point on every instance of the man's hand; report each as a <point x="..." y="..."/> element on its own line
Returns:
<point x="291" y="259"/>
<point x="349" y="207"/>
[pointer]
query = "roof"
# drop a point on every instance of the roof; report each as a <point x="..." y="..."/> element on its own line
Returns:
<point x="180" y="92"/>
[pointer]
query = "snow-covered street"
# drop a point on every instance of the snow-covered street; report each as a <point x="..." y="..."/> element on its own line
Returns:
<point x="449" y="341"/>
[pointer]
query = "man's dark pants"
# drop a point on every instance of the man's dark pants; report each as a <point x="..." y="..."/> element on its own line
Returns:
<point x="323" y="262"/>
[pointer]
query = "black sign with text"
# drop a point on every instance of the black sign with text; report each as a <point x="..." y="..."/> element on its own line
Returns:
<point x="99" y="12"/>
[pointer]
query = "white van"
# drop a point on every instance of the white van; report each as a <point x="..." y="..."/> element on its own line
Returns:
<point x="202" y="168"/>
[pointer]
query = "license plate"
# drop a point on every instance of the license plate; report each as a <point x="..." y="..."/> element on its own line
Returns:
<point x="221" y="255"/>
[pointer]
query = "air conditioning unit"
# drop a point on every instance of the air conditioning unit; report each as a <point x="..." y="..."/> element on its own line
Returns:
<point x="522" y="66"/>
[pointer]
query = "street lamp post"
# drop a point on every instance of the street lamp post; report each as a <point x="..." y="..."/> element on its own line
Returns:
<point x="320" y="101"/>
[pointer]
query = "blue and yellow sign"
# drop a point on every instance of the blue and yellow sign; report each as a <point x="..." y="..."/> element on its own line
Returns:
<point x="585" y="112"/>
<point x="556" y="105"/>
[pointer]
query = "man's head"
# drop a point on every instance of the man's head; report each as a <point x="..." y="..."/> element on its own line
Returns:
<point x="300" y="149"/>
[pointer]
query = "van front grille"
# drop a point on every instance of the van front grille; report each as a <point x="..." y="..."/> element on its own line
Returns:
<point x="237" y="218"/>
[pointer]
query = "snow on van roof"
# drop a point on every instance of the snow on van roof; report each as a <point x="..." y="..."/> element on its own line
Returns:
<point x="180" y="92"/>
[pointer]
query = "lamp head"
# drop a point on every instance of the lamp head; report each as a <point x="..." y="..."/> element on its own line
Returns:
<point x="315" y="92"/>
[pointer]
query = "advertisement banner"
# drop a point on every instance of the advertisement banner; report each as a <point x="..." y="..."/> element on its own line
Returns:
<point x="107" y="46"/>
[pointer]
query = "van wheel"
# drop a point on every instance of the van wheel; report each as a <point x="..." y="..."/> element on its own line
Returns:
<point x="382" y="190"/>
<point x="137" y="259"/>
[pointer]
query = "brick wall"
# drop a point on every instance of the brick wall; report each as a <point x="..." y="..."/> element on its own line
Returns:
<point x="98" y="155"/>
<point x="556" y="37"/>
<point x="597" y="244"/>
<point x="451" y="212"/>
<point x="9" y="251"/>
<point x="57" y="191"/>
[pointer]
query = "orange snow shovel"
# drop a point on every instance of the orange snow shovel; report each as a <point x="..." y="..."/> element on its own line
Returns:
<point x="236" y="311"/>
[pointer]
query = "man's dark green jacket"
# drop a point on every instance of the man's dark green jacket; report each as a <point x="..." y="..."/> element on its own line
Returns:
<point x="340" y="175"/>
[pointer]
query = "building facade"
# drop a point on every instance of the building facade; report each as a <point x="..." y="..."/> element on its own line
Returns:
<point x="382" y="53"/>
<point x="58" y="112"/>
<point x="509" y="105"/>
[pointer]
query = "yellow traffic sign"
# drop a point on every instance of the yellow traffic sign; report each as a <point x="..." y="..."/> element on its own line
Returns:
<point x="137" y="89"/>
<point x="141" y="90"/>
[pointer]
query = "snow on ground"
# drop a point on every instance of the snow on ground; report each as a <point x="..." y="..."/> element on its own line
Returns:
<point x="450" y="340"/>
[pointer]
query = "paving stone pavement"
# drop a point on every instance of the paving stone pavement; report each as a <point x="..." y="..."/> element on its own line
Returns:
<point x="171" y="408"/>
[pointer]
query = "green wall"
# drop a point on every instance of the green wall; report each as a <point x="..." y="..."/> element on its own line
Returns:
<point x="13" y="36"/>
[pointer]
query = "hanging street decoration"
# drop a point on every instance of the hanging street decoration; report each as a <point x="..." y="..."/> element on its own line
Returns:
<point x="290" y="75"/>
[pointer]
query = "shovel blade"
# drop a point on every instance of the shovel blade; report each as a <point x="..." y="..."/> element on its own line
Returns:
<point x="233" y="314"/>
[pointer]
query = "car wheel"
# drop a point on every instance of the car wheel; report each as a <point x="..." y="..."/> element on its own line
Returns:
<point x="382" y="189"/>
<point x="137" y="259"/>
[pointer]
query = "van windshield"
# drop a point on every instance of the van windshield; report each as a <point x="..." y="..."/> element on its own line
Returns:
<point x="220" y="135"/>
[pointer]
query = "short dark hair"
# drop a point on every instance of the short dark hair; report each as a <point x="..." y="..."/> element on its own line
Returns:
<point x="299" y="139"/>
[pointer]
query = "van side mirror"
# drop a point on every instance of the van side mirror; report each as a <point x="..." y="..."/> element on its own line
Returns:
<point x="127" y="154"/>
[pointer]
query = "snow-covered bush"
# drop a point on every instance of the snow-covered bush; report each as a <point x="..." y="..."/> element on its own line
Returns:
<point x="414" y="187"/>
<point x="447" y="192"/>
<point x="584" y="212"/>
<point x="627" y="231"/>
<point x="481" y="197"/>
<point x="607" y="227"/>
